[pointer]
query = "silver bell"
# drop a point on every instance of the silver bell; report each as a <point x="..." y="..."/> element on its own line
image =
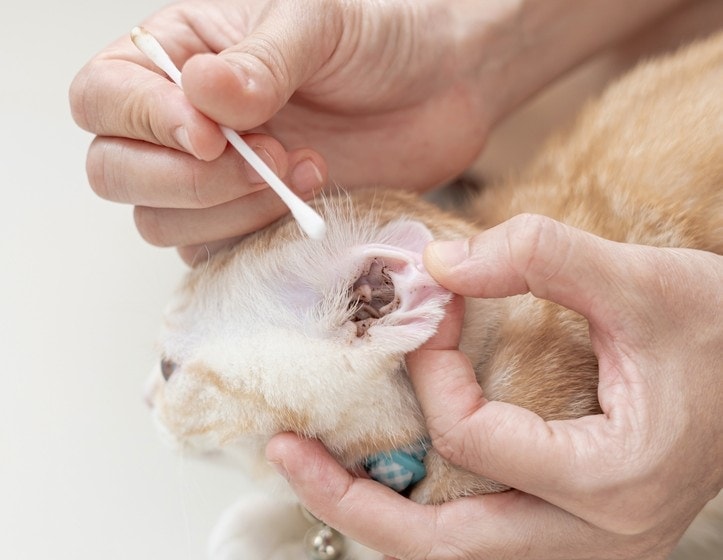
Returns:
<point x="323" y="543"/>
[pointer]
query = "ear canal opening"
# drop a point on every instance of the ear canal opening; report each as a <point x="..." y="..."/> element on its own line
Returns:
<point x="391" y="289"/>
<point x="372" y="296"/>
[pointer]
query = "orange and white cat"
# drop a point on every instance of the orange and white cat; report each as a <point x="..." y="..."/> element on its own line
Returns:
<point x="282" y="333"/>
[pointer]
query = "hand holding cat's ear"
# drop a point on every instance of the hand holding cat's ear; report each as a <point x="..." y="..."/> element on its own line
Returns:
<point x="531" y="253"/>
<point x="655" y="329"/>
<point x="605" y="483"/>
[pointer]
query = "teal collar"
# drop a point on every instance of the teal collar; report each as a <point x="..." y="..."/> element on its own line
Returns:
<point x="400" y="468"/>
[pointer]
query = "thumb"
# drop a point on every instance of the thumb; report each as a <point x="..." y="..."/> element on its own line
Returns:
<point x="246" y="84"/>
<point x="504" y="442"/>
<point x="532" y="253"/>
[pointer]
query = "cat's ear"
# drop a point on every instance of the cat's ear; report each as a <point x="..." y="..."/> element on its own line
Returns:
<point x="406" y="234"/>
<point x="398" y="304"/>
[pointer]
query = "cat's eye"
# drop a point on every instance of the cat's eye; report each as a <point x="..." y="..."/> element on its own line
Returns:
<point x="167" y="368"/>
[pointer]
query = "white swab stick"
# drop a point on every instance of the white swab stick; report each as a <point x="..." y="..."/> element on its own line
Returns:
<point x="308" y="219"/>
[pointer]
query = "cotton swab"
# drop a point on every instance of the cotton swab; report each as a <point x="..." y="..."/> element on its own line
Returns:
<point x="308" y="219"/>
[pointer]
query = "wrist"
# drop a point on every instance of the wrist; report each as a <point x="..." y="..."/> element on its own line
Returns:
<point x="511" y="50"/>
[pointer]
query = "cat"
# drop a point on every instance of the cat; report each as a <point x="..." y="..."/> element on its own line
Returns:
<point x="282" y="333"/>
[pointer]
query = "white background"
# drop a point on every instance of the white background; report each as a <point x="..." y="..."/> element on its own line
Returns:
<point x="82" y="474"/>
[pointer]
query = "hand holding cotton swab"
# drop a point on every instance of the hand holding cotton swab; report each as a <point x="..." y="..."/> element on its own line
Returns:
<point x="308" y="219"/>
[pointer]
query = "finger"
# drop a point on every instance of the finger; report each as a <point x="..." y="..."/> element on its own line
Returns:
<point x="506" y="525"/>
<point x="446" y="386"/>
<point x="449" y="395"/>
<point x="465" y="432"/>
<point x="531" y="253"/>
<point x="449" y="331"/>
<point x="555" y="461"/>
<point x="120" y="95"/>
<point x="307" y="176"/>
<point x="245" y="85"/>
<point x="138" y="173"/>
<point x="168" y="227"/>
<point x="499" y="441"/>
<point x="502" y="442"/>
<point x="333" y="495"/>
<point x="142" y="174"/>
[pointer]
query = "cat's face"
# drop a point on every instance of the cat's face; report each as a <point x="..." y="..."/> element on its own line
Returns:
<point x="283" y="333"/>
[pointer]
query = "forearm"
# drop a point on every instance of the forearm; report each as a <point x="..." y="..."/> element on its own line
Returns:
<point x="511" y="50"/>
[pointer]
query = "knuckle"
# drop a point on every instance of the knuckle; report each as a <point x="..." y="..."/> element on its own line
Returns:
<point x="446" y="445"/>
<point x="143" y="116"/>
<point x="201" y="183"/>
<point x="99" y="169"/>
<point x="267" y="54"/>
<point x="95" y="170"/>
<point x="135" y="115"/>
<point x="201" y="198"/>
<point x="455" y="443"/>
<point x="80" y="95"/>
<point x="538" y="247"/>
<point x="140" y="120"/>
<point x="151" y="226"/>
<point x="76" y="98"/>
<point x="525" y="233"/>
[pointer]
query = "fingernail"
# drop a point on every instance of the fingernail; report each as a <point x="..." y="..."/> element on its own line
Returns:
<point x="279" y="467"/>
<point x="238" y="68"/>
<point x="180" y="134"/>
<point x="306" y="177"/>
<point x="448" y="253"/>
<point x="251" y="174"/>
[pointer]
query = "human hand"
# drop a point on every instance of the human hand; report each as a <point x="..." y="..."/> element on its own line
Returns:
<point x="386" y="93"/>
<point x="623" y="484"/>
<point x="358" y="81"/>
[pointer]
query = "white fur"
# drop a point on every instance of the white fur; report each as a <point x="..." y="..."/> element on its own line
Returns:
<point x="274" y="330"/>
<point x="264" y="322"/>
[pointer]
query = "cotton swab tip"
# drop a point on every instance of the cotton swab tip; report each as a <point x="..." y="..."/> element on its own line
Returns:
<point x="142" y="39"/>
<point x="308" y="219"/>
<point x="149" y="46"/>
<point x="310" y="222"/>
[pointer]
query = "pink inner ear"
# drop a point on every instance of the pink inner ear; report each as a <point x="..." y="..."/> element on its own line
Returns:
<point x="406" y="234"/>
<point x="393" y="289"/>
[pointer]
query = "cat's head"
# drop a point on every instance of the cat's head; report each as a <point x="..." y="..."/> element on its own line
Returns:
<point x="283" y="333"/>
